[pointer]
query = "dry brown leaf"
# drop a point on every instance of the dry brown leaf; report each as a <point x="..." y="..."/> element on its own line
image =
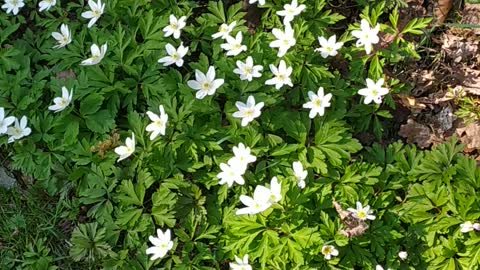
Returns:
<point x="470" y="136"/>
<point x="354" y="226"/>
<point x="471" y="81"/>
<point x="69" y="74"/>
<point x="471" y="15"/>
<point x="458" y="48"/>
<point x="411" y="103"/>
<point x="424" y="81"/>
<point x="442" y="9"/>
<point x="416" y="133"/>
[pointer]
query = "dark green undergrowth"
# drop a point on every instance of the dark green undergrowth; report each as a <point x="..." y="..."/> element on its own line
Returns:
<point x="96" y="203"/>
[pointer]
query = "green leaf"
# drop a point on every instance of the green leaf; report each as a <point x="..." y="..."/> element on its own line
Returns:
<point x="100" y="122"/>
<point x="163" y="202"/>
<point x="71" y="133"/>
<point x="285" y="149"/>
<point x="91" y="104"/>
<point x="131" y="195"/>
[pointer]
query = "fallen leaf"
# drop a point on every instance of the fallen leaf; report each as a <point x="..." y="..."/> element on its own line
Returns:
<point x="354" y="226"/>
<point x="411" y="103"/>
<point x="458" y="47"/>
<point x="416" y="133"/>
<point x="470" y="136"/>
<point x="442" y="9"/>
<point x="64" y="75"/>
<point x="470" y="15"/>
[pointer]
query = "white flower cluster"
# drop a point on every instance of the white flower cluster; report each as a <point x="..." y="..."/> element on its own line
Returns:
<point x="17" y="131"/>
<point x="469" y="226"/>
<point x="262" y="199"/>
<point x="233" y="171"/>
<point x="206" y="84"/>
<point x="156" y="127"/>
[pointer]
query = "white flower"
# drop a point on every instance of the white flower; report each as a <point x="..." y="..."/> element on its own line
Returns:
<point x="161" y="244"/>
<point x="247" y="70"/>
<point x="238" y="165"/>
<point x="248" y="111"/>
<point x="175" y="27"/>
<point x="299" y="173"/>
<point x="285" y="40"/>
<point x="13" y="6"/>
<point x="290" y="11"/>
<point x="224" y="30"/>
<point x="95" y="12"/>
<point x="282" y="75"/>
<point x="242" y="155"/>
<point x="97" y="55"/>
<point x="175" y="56"/>
<point x="329" y="47"/>
<point x="159" y="123"/>
<point x="127" y="150"/>
<point x="467" y="226"/>
<point x="259" y="203"/>
<point x="260" y="2"/>
<point x="62" y="102"/>
<point x="403" y="255"/>
<point x="328" y="251"/>
<point x="5" y="121"/>
<point x="318" y="102"/>
<point x="374" y="91"/>
<point x="379" y="267"/>
<point x="366" y="35"/>
<point x="19" y="130"/>
<point x="234" y="45"/>
<point x="231" y="173"/>
<point x="63" y="38"/>
<point x="275" y="191"/>
<point x="241" y="264"/>
<point x="46" y="4"/>
<point x="205" y="84"/>
<point x="362" y="213"/>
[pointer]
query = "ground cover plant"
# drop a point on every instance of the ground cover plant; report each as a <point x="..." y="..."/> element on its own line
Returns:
<point x="220" y="135"/>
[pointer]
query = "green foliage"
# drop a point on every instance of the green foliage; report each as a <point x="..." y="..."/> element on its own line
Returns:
<point x="419" y="198"/>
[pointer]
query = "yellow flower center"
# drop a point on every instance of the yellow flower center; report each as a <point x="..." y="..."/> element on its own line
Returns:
<point x="248" y="70"/>
<point x="206" y="86"/>
<point x="249" y="112"/>
<point x="362" y="215"/>
<point x="158" y="123"/>
<point x="317" y="103"/>
<point x="175" y="56"/>
<point x="374" y="92"/>
<point x="327" y="250"/>
<point x="174" y="26"/>
<point x="63" y="102"/>
<point x="16" y="131"/>
<point x="281" y="77"/>
<point x="96" y="13"/>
